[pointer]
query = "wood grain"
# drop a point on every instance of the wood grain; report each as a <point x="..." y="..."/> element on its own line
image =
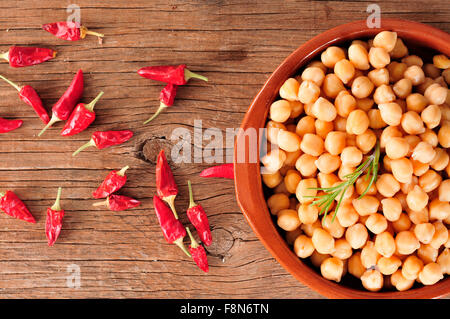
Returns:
<point x="237" y="44"/>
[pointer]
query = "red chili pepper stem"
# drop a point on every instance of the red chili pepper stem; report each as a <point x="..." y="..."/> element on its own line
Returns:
<point x="84" y="31"/>
<point x="82" y="147"/>
<point x="103" y="203"/>
<point x="18" y="88"/>
<point x="57" y="206"/>
<point x="194" y="243"/>
<point x="123" y="170"/>
<point x="189" y="74"/>
<point x="162" y="106"/>
<point x="191" y="196"/>
<point x="171" y="201"/>
<point x="90" y="106"/>
<point x="52" y="121"/>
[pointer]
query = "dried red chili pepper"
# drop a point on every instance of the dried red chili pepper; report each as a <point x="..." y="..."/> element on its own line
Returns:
<point x="26" y="56"/>
<point x="69" y="30"/>
<point x="224" y="171"/>
<point x="82" y="116"/>
<point x="166" y="98"/>
<point x="166" y="187"/>
<point x="66" y="103"/>
<point x="112" y="183"/>
<point x="171" y="227"/>
<point x="198" y="253"/>
<point x="199" y="219"/>
<point x="9" y="125"/>
<point x="53" y="223"/>
<point x="175" y="74"/>
<point x="119" y="202"/>
<point x="105" y="139"/>
<point x="11" y="204"/>
<point x="30" y="96"/>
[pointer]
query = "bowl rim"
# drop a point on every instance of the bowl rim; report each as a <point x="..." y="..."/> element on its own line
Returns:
<point x="248" y="185"/>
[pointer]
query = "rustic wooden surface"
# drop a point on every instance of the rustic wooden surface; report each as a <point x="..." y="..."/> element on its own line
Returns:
<point x="237" y="44"/>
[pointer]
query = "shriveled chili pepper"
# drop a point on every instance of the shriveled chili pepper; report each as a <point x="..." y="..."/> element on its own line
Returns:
<point x="175" y="74"/>
<point x="82" y="116"/>
<point x="11" y="204"/>
<point x="69" y="30"/>
<point x="171" y="227"/>
<point x="105" y="139"/>
<point x="112" y="183"/>
<point x="224" y="171"/>
<point x="118" y="202"/>
<point x="166" y="187"/>
<point x="66" y="103"/>
<point x="198" y="253"/>
<point x="166" y="98"/>
<point x="9" y="125"/>
<point x="30" y="96"/>
<point x="53" y="223"/>
<point x="26" y="56"/>
<point x="199" y="219"/>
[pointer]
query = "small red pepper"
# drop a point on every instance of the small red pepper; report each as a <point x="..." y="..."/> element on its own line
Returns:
<point x="175" y="74"/>
<point x="105" y="139"/>
<point x="30" y="96"/>
<point x="119" y="202"/>
<point x="166" y="187"/>
<point x="166" y="98"/>
<point x="199" y="219"/>
<point x="224" y="171"/>
<point x="69" y="30"/>
<point x="112" y="183"/>
<point x="26" y="56"/>
<point x="53" y="223"/>
<point x="66" y="103"/>
<point x="82" y="116"/>
<point x="11" y="204"/>
<point x="171" y="227"/>
<point x="9" y="125"/>
<point x="198" y="253"/>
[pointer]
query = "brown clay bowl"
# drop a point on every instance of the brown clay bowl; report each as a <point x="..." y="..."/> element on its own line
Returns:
<point x="249" y="188"/>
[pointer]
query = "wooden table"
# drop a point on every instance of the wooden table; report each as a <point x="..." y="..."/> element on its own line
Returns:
<point x="237" y="44"/>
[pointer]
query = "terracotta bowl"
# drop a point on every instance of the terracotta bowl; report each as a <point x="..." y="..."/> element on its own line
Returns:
<point x="249" y="188"/>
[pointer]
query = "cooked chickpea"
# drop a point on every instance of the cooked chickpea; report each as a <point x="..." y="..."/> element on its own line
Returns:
<point x="287" y="219"/>
<point x="312" y="144"/>
<point x="315" y="74"/>
<point x="441" y="61"/>
<point x="440" y="236"/>
<point x="351" y="156"/>
<point x="427" y="253"/>
<point x="389" y="265"/>
<point x="332" y="226"/>
<point x="396" y="71"/>
<point x="411" y="267"/>
<point x="426" y="83"/>
<point x="366" y="141"/>
<point x="416" y="102"/>
<point x="379" y="76"/>
<point x="423" y="152"/>
<point x="387" y="185"/>
<point x="273" y="160"/>
<point x="291" y="180"/>
<point x="332" y="85"/>
<point x="418" y="216"/>
<point x="406" y="242"/>
<point x="280" y="111"/>
<point x="440" y="160"/>
<point x="332" y="55"/>
<point x="402" y="88"/>
<point x="361" y="186"/>
<point x="305" y="189"/>
<point x="415" y="74"/>
<point x="340" y="123"/>
<point x="308" y="92"/>
<point x="379" y="57"/>
<point x="342" y="250"/>
<point x="308" y="214"/>
<point x="289" y="89"/>
<point x="372" y="279"/>
<point x="345" y="70"/>
<point x="436" y="94"/>
<point x="324" y="110"/>
<point x="288" y="141"/>
<point x="386" y="40"/>
<point x="344" y="103"/>
<point x="430" y="181"/>
<point x="413" y="60"/>
<point x="431" y="70"/>
<point x="303" y="246"/>
<point x="417" y="199"/>
<point x="376" y="223"/>
<point x="397" y="148"/>
<point x="431" y="274"/>
<point x="317" y="258"/>
<point x="444" y="261"/>
<point x="375" y="119"/>
<point x="357" y="122"/>
<point x="305" y="125"/>
<point x="335" y="142"/>
<point x="419" y="168"/>
<point x="383" y="94"/>
<point x="305" y="164"/>
<point x="323" y="242"/>
<point x="385" y="244"/>
<point x="362" y="87"/>
<point x="359" y="56"/>
<point x="388" y="133"/>
<point x="444" y="191"/>
<point x="273" y="128"/>
<point x="369" y="255"/>
<point x="327" y="163"/>
<point x="272" y="180"/>
<point x="424" y="232"/>
<point x="347" y="215"/>
<point x="400" y="49"/>
<point x="402" y="223"/>
<point x="296" y="109"/>
<point x="324" y="127"/>
<point x="332" y="268"/>
<point x="412" y="123"/>
<point x="400" y="282"/>
<point x="278" y="202"/>
<point x="444" y="135"/>
<point x="356" y="235"/>
<point x="402" y="169"/>
<point x="430" y="137"/>
<point x="280" y="188"/>
<point x="327" y="180"/>
<point x="290" y="236"/>
<point x="291" y="158"/>
<point x="391" y="113"/>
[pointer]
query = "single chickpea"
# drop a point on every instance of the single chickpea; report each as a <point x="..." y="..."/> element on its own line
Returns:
<point x="273" y="160"/>
<point x="273" y="128"/>
<point x="303" y="246"/>
<point x="324" y="110"/>
<point x="413" y="60"/>
<point x="361" y="186"/>
<point x="342" y="250"/>
<point x="417" y="199"/>
<point x="400" y="50"/>
<point x="332" y="268"/>
<point x="356" y="235"/>
<point x="296" y="109"/>
<point x="306" y="166"/>
<point x="406" y="242"/>
<point x="347" y="215"/>
<point x="423" y="152"/>
<point x="280" y="111"/>
<point x="444" y="191"/>
<point x="308" y="214"/>
<point x="411" y="267"/>
<point x="416" y="102"/>
<point x="332" y="85"/>
<point x="426" y="83"/>
<point x="385" y="244"/>
<point x="362" y="87"/>
<point x="327" y="180"/>
<point x="446" y="75"/>
<point x="324" y="127"/>
<point x="436" y="94"/>
<point x="305" y="125"/>
<point x="375" y="119"/>
<point x="272" y="180"/>
<point x="308" y="92"/>
<point x="291" y="180"/>
<point x="327" y="163"/>
<point x="427" y="253"/>
<point x="440" y="236"/>
<point x="376" y="223"/>
<point x="312" y="144"/>
<point x="402" y="169"/>
<point x="431" y="71"/>
<point x="444" y="261"/>
<point x="419" y="168"/>
<point x="291" y="158"/>
<point x="323" y="242"/>
<point x="418" y="216"/>
<point x="365" y="104"/>
<point x="278" y="202"/>
<point x="318" y="258"/>
<point x="332" y="226"/>
<point x="396" y="71"/>
<point x="388" y="133"/>
<point x="357" y="122"/>
<point x="440" y="160"/>
<point x="292" y="235"/>
<point x="332" y="55"/>
<point x="379" y="57"/>
<point x="383" y="94"/>
<point x="305" y="189"/>
<point x="409" y="185"/>
<point x="397" y="147"/>
<point x="391" y="113"/>
<point x="412" y="123"/>
<point x="369" y="255"/>
<point x="288" y="141"/>
<point x="287" y="219"/>
<point x="387" y="185"/>
<point x="366" y="141"/>
<point x="441" y="61"/>
<point x="402" y="223"/>
<point x="402" y="88"/>
<point x="372" y="279"/>
<point x="400" y="282"/>
<point x="335" y="142"/>
<point x="351" y="156"/>
<point x="388" y="265"/>
<point x="430" y="137"/>
<point x="444" y="135"/>
<point x="386" y="40"/>
<point x="289" y="89"/>
<point x="430" y="181"/>
<point x="359" y="56"/>
<point x="344" y="103"/>
<point x="431" y="274"/>
<point x="412" y="140"/>
<point x="340" y="123"/>
<point x="415" y="74"/>
<point x="315" y="74"/>
<point x="424" y="232"/>
<point x="345" y="70"/>
<point x="379" y="76"/>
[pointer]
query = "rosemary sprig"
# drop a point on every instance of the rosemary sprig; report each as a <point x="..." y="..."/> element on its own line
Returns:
<point x="325" y="201"/>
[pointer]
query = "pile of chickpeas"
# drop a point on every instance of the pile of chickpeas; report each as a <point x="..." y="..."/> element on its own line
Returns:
<point x="327" y="122"/>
